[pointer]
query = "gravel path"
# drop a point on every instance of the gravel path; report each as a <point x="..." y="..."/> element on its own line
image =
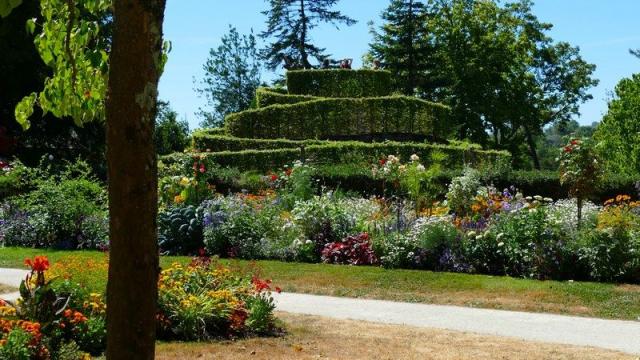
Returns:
<point x="607" y="334"/>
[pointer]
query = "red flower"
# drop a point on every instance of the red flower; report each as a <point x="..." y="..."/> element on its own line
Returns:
<point x="261" y="285"/>
<point x="274" y="177"/>
<point x="195" y="165"/>
<point x="575" y="142"/>
<point x="382" y="161"/>
<point x="278" y="290"/>
<point x="202" y="169"/>
<point x="39" y="263"/>
<point x="568" y="149"/>
<point x="288" y="172"/>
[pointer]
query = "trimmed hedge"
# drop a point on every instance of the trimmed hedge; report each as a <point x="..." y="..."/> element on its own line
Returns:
<point x="338" y="153"/>
<point x="267" y="96"/>
<point x="339" y="83"/>
<point x="218" y="143"/>
<point x="342" y="118"/>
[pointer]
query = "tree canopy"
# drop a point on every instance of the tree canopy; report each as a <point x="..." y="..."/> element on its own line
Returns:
<point x="403" y="44"/>
<point x="289" y="23"/>
<point x="232" y="75"/>
<point x="498" y="69"/>
<point x="619" y="132"/>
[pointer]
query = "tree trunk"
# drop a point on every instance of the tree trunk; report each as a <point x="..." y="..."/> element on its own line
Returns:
<point x="304" y="57"/>
<point x="130" y="111"/>
<point x="532" y="148"/>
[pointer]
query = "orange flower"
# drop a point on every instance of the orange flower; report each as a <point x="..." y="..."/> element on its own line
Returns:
<point x="39" y="263"/>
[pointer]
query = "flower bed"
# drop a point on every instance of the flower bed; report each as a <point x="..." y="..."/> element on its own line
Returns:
<point x="58" y="318"/>
<point x="478" y="229"/>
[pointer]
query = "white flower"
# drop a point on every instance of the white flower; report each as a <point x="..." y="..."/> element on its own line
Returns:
<point x="471" y="233"/>
<point x="499" y="236"/>
<point x="402" y="167"/>
<point x="479" y="237"/>
<point x="414" y="157"/>
<point x="420" y="167"/>
<point x="500" y="244"/>
<point x="549" y="200"/>
<point x="308" y="242"/>
<point x="538" y="197"/>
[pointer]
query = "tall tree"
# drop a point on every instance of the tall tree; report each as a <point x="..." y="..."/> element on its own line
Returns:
<point x="503" y="76"/>
<point x="619" y="132"/>
<point x="171" y="135"/>
<point x="402" y="45"/>
<point x="137" y="59"/>
<point x="289" y="23"/>
<point x="136" y="63"/>
<point x="232" y="75"/>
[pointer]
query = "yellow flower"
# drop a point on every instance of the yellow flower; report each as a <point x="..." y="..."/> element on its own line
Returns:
<point x="185" y="181"/>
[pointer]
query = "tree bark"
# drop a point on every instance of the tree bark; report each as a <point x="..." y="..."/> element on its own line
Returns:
<point x="532" y="148"/>
<point x="135" y="67"/>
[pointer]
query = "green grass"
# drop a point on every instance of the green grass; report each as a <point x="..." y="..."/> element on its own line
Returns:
<point x="575" y="298"/>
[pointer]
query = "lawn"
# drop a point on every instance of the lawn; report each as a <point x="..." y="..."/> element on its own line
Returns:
<point x="574" y="298"/>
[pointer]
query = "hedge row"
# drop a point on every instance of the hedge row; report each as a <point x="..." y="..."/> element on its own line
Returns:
<point x="218" y="143"/>
<point x="339" y="153"/>
<point x="339" y="83"/>
<point x="267" y="96"/>
<point x="341" y="118"/>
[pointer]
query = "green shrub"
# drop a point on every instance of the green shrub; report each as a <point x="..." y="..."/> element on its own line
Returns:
<point x="180" y="230"/>
<point x="328" y="118"/>
<point x="333" y="153"/>
<point x="67" y="213"/>
<point x="339" y="83"/>
<point x="217" y="143"/>
<point x="268" y="96"/>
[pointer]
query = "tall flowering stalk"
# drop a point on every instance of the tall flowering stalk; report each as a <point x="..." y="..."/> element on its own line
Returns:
<point x="580" y="170"/>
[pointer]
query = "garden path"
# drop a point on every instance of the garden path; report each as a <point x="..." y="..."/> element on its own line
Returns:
<point x="608" y="334"/>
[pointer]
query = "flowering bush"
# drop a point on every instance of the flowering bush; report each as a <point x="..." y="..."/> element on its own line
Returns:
<point x="205" y="300"/>
<point x="293" y="184"/>
<point x="352" y="250"/>
<point x="49" y="321"/>
<point x="580" y="170"/>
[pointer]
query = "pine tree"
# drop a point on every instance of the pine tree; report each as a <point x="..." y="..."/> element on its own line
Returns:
<point x="402" y="45"/>
<point x="232" y="74"/>
<point x="289" y="23"/>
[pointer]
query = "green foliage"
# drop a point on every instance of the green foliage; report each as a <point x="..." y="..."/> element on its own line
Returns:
<point x="403" y="45"/>
<point x="65" y="207"/>
<point x="619" y="132"/>
<point x="73" y="46"/>
<point x="7" y="6"/>
<point x="335" y="153"/>
<point x="269" y="96"/>
<point x="171" y="135"/>
<point x="232" y="74"/>
<point x="463" y="190"/>
<point x="217" y="143"/>
<point x="17" y="345"/>
<point x="611" y="255"/>
<point x="180" y="230"/>
<point x="339" y="83"/>
<point x="289" y="23"/>
<point x="526" y="81"/>
<point x="580" y="169"/>
<point x="346" y="117"/>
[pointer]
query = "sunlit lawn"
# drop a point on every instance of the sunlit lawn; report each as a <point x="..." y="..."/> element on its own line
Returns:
<point x="576" y="298"/>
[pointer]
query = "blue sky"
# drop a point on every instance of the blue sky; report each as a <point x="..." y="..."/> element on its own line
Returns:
<point x="603" y="29"/>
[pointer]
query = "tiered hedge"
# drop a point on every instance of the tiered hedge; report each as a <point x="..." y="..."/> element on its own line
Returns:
<point x="339" y="83"/>
<point x="338" y="153"/>
<point x="342" y="118"/>
<point x="269" y="96"/>
<point x="216" y="143"/>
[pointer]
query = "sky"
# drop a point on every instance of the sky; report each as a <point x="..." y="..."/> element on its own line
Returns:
<point x="603" y="29"/>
